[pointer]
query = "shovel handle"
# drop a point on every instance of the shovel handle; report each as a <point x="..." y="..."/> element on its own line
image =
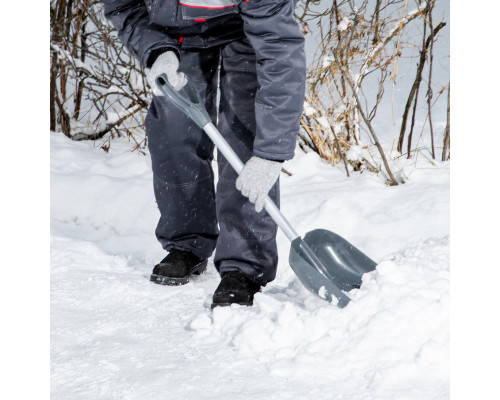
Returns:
<point x="193" y="107"/>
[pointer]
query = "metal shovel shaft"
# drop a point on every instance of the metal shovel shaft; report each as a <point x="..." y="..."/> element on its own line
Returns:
<point x="238" y="165"/>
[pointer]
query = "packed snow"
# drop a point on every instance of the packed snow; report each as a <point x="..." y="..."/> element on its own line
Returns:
<point x="116" y="335"/>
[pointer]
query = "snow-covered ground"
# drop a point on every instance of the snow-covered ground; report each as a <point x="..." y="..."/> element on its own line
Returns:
<point x="115" y="335"/>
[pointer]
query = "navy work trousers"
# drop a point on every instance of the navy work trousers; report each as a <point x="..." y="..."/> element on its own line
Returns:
<point x="195" y="217"/>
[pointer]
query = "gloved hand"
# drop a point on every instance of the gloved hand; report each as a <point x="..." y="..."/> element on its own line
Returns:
<point x="166" y="63"/>
<point x="257" y="178"/>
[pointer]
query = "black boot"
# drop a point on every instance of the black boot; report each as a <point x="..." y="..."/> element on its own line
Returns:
<point x="176" y="268"/>
<point x="235" y="288"/>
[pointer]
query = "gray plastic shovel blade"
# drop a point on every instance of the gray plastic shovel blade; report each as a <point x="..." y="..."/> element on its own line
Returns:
<point x="328" y="265"/>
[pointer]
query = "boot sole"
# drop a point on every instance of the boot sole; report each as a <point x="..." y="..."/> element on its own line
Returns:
<point x="245" y="303"/>
<point x="177" y="281"/>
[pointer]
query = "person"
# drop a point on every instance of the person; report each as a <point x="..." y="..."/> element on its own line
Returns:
<point x="260" y="50"/>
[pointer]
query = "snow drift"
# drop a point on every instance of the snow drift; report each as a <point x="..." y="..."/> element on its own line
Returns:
<point x="115" y="335"/>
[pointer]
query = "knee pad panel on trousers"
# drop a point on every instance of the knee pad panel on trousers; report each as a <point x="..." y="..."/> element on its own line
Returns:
<point x="180" y="152"/>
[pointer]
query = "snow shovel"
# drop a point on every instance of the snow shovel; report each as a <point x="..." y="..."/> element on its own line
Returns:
<point x="326" y="264"/>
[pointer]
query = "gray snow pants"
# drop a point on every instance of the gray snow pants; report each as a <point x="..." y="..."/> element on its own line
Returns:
<point x="194" y="216"/>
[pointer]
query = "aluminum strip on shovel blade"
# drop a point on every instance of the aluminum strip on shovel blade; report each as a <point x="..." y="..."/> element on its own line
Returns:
<point x="328" y="265"/>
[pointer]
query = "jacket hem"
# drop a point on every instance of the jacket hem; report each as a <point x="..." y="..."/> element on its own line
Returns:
<point x="274" y="156"/>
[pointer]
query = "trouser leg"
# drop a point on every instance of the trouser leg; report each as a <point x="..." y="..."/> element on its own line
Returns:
<point x="181" y="157"/>
<point x="247" y="240"/>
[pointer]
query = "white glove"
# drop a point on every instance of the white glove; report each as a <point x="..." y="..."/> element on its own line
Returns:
<point x="168" y="64"/>
<point x="257" y="178"/>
